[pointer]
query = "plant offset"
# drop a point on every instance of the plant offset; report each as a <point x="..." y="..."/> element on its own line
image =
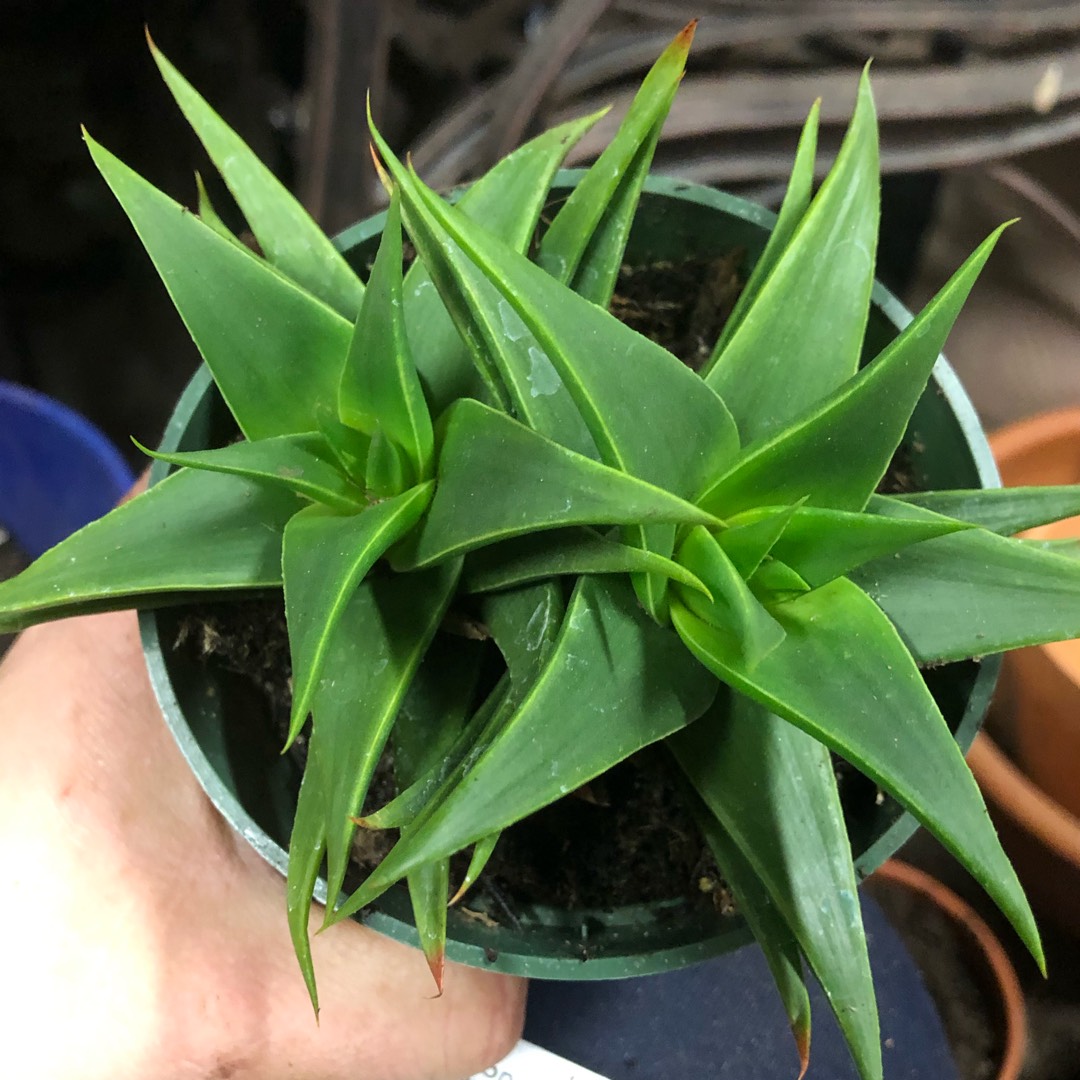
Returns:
<point x="655" y="554"/>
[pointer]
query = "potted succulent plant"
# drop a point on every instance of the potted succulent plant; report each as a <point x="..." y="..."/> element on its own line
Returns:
<point x="519" y="541"/>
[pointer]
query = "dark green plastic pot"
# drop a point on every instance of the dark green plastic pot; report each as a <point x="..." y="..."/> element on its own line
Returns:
<point x="236" y="758"/>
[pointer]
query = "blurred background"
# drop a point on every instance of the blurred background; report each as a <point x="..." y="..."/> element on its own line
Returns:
<point x="979" y="103"/>
<point x="962" y="87"/>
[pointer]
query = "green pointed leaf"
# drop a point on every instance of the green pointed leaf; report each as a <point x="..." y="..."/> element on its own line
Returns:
<point x="626" y="387"/>
<point x="735" y="612"/>
<point x="773" y="790"/>
<point x="193" y="532"/>
<point x="770" y="930"/>
<point x="303" y="464"/>
<point x="343" y="740"/>
<point x="596" y="216"/>
<point x="307" y="850"/>
<point x="753" y="535"/>
<point x="488" y="460"/>
<point x="801" y="336"/>
<point x="837" y="453"/>
<point x="275" y="350"/>
<point x="347" y="445"/>
<point x="524" y="623"/>
<point x="210" y="216"/>
<point x="407" y="804"/>
<point x="824" y="544"/>
<point x="380" y="388"/>
<point x="843" y="675"/>
<point x="508" y="200"/>
<point x="288" y="236"/>
<point x="586" y="241"/>
<point x="387" y="471"/>
<point x="563" y="552"/>
<point x="796" y="200"/>
<point x="517" y="375"/>
<point x="616" y="682"/>
<point x="972" y="593"/>
<point x="373" y="651"/>
<point x="598" y="269"/>
<point x="482" y="852"/>
<point x="1002" y="510"/>
<point x="429" y="890"/>
<point x="430" y="720"/>
<point x="437" y="706"/>
<point x="324" y="558"/>
<point x="774" y="581"/>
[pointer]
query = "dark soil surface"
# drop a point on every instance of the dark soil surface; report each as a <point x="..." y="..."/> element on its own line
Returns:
<point x="682" y="306"/>
<point x="625" y="838"/>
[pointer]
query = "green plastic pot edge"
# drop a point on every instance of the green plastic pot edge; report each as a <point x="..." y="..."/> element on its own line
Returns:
<point x="626" y="941"/>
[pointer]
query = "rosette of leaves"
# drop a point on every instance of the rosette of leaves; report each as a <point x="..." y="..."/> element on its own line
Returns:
<point x="656" y="554"/>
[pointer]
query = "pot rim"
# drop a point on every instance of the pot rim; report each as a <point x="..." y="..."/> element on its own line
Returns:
<point x="1051" y="425"/>
<point x="1009" y="788"/>
<point x="1042" y="430"/>
<point x="998" y="968"/>
<point x="616" y="962"/>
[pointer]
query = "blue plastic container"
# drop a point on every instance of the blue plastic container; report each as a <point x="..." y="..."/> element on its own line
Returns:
<point x="57" y="471"/>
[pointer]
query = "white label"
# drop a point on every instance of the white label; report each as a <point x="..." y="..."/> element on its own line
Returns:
<point x="528" y="1062"/>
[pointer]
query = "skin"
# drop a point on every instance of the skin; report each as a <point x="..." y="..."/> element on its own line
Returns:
<point x="143" y="939"/>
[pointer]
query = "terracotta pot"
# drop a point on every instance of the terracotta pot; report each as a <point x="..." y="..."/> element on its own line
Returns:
<point x="1041" y="838"/>
<point x="1041" y="685"/>
<point x="986" y="957"/>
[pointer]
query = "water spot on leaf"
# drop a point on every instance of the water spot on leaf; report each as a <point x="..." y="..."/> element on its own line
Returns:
<point x="543" y="378"/>
<point x="513" y="327"/>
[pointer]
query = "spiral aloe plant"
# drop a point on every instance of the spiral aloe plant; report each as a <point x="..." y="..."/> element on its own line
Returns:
<point x="656" y="554"/>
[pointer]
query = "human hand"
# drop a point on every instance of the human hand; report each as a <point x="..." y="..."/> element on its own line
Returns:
<point x="146" y="940"/>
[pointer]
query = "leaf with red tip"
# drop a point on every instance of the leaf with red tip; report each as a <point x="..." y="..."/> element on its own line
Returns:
<point x="773" y="792"/>
<point x="373" y="650"/>
<point x="583" y="247"/>
<point x="430" y="719"/>
<point x="769" y="927"/>
<point x="428" y="889"/>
